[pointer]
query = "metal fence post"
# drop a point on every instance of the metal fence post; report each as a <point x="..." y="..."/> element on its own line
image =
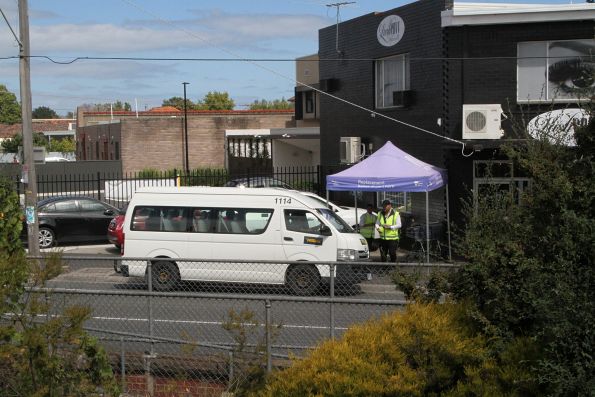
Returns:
<point x="122" y="364"/>
<point x="98" y="185"/>
<point x="151" y="355"/>
<point x="332" y="305"/>
<point x="267" y="306"/>
<point x="231" y="372"/>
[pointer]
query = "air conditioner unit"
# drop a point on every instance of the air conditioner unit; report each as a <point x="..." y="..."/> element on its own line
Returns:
<point x="482" y="121"/>
<point x="350" y="149"/>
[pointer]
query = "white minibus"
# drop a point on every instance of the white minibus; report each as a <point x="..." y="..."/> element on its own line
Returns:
<point x="217" y="225"/>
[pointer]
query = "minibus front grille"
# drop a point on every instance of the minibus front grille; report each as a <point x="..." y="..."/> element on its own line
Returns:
<point x="363" y="254"/>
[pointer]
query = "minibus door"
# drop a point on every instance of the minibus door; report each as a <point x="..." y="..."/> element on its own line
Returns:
<point x="302" y="238"/>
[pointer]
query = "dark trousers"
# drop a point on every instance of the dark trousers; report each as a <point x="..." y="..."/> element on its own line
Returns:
<point x="372" y="244"/>
<point x="388" y="248"/>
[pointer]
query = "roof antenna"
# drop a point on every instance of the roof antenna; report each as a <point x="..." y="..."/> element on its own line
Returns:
<point x="338" y="6"/>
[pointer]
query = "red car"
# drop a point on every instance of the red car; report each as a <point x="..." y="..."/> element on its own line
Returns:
<point x="115" y="232"/>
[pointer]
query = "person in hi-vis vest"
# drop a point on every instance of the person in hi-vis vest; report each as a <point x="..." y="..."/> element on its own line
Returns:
<point x="367" y="223"/>
<point x="388" y="225"/>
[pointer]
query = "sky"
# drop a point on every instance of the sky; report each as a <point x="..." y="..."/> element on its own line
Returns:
<point x="63" y="30"/>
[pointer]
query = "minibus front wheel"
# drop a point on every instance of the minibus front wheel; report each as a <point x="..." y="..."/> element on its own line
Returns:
<point x="303" y="279"/>
<point x="164" y="275"/>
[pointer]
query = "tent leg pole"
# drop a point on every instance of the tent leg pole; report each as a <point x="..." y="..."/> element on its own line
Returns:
<point x="427" y="228"/>
<point x="356" y="218"/>
<point x="448" y="224"/>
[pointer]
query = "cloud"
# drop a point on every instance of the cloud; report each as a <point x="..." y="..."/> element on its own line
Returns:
<point x="211" y="29"/>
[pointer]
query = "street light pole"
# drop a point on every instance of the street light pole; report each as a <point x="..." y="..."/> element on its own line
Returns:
<point x="186" y="130"/>
<point x="29" y="176"/>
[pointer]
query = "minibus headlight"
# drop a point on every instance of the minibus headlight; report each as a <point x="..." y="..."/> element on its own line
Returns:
<point x="346" y="255"/>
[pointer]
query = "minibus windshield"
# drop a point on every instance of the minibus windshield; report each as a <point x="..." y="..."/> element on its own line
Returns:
<point x="336" y="221"/>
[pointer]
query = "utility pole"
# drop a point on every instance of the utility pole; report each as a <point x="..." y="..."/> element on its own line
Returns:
<point x="338" y="5"/>
<point x="186" y="131"/>
<point x="29" y="176"/>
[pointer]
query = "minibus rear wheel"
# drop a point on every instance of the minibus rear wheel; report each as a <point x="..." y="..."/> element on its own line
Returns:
<point x="303" y="279"/>
<point x="165" y="275"/>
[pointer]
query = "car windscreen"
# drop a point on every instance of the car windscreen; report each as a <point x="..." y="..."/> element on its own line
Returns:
<point x="336" y="221"/>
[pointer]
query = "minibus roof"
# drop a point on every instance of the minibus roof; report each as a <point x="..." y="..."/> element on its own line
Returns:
<point x="229" y="191"/>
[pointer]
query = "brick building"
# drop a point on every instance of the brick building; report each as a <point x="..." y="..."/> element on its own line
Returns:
<point x="155" y="139"/>
<point x="421" y="65"/>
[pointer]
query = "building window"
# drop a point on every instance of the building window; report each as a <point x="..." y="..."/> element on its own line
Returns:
<point x="497" y="177"/>
<point x="309" y="101"/>
<point x="561" y="71"/>
<point x="96" y="150"/>
<point x="117" y="149"/>
<point x="392" y="75"/>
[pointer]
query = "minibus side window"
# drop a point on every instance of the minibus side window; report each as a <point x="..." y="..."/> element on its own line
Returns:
<point x="201" y="220"/>
<point x="301" y="221"/>
<point x="160" y="219"/>
<point x="242" y="220"/>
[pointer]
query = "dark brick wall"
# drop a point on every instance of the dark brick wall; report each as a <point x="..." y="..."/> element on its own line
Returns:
<point x="357" y="40"/>
<point x="491" y="80"/>
<point x="441" y="86"/>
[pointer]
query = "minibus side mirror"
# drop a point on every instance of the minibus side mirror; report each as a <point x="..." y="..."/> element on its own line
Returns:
<point x="325" y="230"/>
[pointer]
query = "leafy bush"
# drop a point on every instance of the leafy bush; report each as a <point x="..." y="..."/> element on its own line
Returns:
<point x="530" y="270"/>
<point x="428" y="349"/>
<point x="45" y="355"/>
<point x="11" y="219"/>
<point x="42" y="355"/>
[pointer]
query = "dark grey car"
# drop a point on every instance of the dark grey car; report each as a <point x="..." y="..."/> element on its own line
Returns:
<point x="73" y="219"/>
<point x="258" y="181"/>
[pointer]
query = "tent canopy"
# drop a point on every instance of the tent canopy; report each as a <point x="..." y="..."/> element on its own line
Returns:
<point x="389" y="169"/>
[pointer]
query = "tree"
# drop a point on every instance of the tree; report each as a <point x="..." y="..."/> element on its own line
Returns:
<point x="42" y="354"/>
<point x="178" y="103"/>
<point x="118" y="105"/>
<point x="216" y="101"/>
<point x="530" y="264"/>
<point x="10" y="110"/>
<point x="44" y="112"/>
<point x="12" y="145"/>
<point x="66" y="145"/>
<point x="106" y="107"/>
<point x="281" y="104"/>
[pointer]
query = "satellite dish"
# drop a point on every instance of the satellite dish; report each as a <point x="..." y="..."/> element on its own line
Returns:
<point x="557" y="126"/>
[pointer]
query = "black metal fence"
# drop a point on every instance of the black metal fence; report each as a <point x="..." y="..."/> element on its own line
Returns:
<point x="117" y="188"/>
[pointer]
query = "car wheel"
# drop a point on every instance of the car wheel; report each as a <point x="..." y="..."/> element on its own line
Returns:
<point x="165" y="275"/>
<point x="303" y="279"/>
<point x="47" y="238"/>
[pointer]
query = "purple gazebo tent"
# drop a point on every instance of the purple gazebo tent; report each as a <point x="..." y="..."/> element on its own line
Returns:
<point x="390" y="169"/>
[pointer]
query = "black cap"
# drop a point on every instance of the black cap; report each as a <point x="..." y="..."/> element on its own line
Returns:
<point x="386" y="202"/>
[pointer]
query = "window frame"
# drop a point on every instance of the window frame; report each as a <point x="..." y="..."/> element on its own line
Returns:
<point x="516" y="184"/>
<point x="379" y="79"/>
<point x="548" y="97"/>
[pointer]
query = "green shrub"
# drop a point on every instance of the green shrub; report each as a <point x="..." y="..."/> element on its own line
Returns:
<point x="530" y="263"/>
<point x="427" y="350"/>
<point x="11" y="219"/>
<point x="42" y="354"/>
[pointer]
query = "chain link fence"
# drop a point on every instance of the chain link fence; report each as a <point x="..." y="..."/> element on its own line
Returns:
<point x="217" y="326"/>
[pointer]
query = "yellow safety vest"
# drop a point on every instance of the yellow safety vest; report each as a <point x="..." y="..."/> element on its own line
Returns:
<point x="368" y="229"/>
<point x="388" y="234"/>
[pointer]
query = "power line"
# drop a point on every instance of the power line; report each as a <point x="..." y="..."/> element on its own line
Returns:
<point x="96" y="58"/>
